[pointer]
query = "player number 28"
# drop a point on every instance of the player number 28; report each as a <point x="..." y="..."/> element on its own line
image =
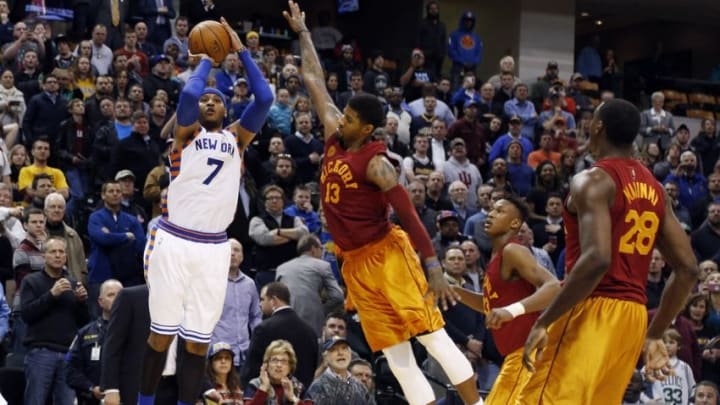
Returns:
<point x="641" y="236"/>
<point x="332" y="193"/>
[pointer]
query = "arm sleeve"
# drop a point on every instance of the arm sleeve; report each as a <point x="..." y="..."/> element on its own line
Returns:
<point x="256" y="112"/>
<point x="188" y="110"/>
<point x="403" y="207"/>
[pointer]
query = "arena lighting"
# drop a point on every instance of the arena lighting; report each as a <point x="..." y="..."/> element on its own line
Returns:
<point x="584" y="14"/>
<point x="598" y="22"/>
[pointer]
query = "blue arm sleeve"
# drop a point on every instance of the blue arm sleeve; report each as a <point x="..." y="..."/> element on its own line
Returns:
<point x="256" y="112"/>
<point x="188" y="110"/>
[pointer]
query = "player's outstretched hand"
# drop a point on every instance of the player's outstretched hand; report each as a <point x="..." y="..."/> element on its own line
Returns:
<point x="236" y="44"/>
<point x="535" y="344"/>
<point x="657" y="361"/>
<point x="195" y="58"/>
<point x="295" y="18"/>
<point x="439" y="286"/>
<point x="497" y="317"/>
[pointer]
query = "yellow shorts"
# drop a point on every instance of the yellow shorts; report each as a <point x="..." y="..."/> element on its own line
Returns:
<point x="387" y="286"/>
<point x="591" y="354"/>
<point x="510" y="382"/>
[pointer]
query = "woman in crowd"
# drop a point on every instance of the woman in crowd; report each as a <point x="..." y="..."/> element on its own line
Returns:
<point x="332" y="86"/>
<point x="18" y="160"/>
<point x="12" y="100"/>
<point x="223" y="380"/>
<point x="567" y="167"/>
<point x="547" y="181"/>
<point x="83" y="76"/>
<point x="275" y="385"/>
<point x="650" y="155"/>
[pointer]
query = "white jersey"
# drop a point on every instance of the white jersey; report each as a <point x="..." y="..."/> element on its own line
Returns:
<point x="205" y="182"/>
<point x="676" y="388"/>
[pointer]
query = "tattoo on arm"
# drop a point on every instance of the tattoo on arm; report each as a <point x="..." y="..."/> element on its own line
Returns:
<point x="382" y="173"/>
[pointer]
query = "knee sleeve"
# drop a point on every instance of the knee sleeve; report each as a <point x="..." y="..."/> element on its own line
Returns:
<point x="402" y="362"/>
<point x="453" y="362"/>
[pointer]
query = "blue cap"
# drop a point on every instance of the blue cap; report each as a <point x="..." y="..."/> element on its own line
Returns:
<point x="447" y="214"/>
<point x="329" y="343"/>
<point x="471" y="102"/>
<point x="158" y="58"/>
<point x="215" y="91"/>
<point x="219" y="347"/>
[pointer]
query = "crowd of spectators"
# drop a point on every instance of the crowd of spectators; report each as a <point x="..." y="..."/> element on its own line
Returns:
<point x="86" y="118"/>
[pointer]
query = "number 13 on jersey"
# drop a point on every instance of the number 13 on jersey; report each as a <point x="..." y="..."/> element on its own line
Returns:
<point x="332" y="193"/>
<point x="641" y="236"/>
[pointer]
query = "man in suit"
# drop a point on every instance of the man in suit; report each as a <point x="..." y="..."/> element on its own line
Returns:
<point x="121" y="362"/>
<point x="113" y="14"/>
<point x="282" y="323"/>
<point x="157" y="16"/>
<point x="308" y="278"/>
<point x="201" y="10"/>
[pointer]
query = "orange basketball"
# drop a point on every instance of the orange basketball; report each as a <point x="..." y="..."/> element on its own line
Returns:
<point x="209" y="37"/>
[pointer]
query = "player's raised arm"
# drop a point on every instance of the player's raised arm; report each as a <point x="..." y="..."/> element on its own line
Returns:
<point x="312" y="71"/>
<point x="256" y="112"/>
<point x="188" y="109"/>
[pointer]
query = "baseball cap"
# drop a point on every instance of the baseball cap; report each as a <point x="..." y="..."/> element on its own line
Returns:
<point x="158" y="58"/>
<point x="457" y="141"/>
<point x="552" y="65"/>
<point x="515" y="118"/>
<point x="470" y="103"/>
<point x="447" y="214"/>
<point x="330" y="342"/>
<point x="219" y="347"/>
<point x="123" y="174"/>
<point x="682" y="126"/>
<point x="346" y="48"/>
<point x="240" y="81"/>
<point x="576" y="76"/>
<point x="62" y="38"/>
<point x="252" y="34"/>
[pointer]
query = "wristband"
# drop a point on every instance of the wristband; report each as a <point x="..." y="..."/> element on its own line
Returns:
<point x="515" y="309"/>
<point x="432" y="263"/>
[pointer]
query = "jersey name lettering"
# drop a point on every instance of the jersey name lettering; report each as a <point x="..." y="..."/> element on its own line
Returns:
<point x="207" y="143"/>
<point x="342" y="169"/>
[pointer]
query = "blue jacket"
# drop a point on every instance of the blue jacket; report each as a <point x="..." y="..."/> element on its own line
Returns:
<point x="310" y="219"/>
<point x="225" y="82"/>
<point x="4" y="314"/>
<point x="465" y="46"/>
<point x="692" y="189"/>
<point x="99" y="264"/>
<point x="279" y="118"/>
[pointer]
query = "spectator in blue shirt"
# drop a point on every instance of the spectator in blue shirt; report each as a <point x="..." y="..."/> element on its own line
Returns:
<point x="117" y="241"/>
<point x="241" y="311"/>
<point x="589" y="62"/>
<point x="693" y="185"/>
<point x="500" y="147"/>
<point x="524" y="109"/>
<point x="302" y="207"/>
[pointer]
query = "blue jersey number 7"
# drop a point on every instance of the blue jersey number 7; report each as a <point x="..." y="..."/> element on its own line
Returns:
<point x="218" y="165"/>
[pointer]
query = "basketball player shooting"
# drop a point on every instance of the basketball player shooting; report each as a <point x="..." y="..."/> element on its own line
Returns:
<point x="188" y="254"/>
<point x="384" y="278"/>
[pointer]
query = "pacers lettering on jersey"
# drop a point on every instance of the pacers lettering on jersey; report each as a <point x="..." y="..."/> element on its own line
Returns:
<point x="489" y="294"/>
<point x="637" y="190"/>
<point x="342" y="169"/>
<point x="214" y="144"/>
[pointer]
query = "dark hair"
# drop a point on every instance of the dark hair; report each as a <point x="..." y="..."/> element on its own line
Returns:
<point x="621" y="120"/>
<point x="369" y="109"/>
<point x="278" y="290"/>
<point x="308" y="242"/>
<point x="38" y="177"/>
<point x="359" y="361"/>
<point x="31" y="211"/>
<point x="138" y="115"/>
<point x="356" y="73"/>
<point x="233" y="380"/>
<point x="520" y="206"/>
<point x="335" y="315"/>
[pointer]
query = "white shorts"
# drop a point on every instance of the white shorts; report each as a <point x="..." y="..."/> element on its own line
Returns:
<point x="187" y="279"/>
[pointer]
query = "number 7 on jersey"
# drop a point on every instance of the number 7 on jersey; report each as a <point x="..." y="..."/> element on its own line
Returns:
<point x="218" y="165"/>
